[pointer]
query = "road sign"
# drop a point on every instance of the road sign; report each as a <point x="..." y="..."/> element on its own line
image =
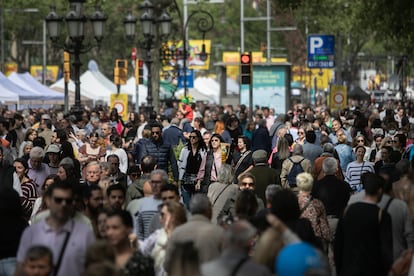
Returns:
<point x="321" y="49"/>
<point x="190" y="78"/>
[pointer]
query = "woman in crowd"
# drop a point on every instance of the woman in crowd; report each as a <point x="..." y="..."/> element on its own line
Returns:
<point x="301" y="136"/>
<point x="279" y="154"/>
<point x="345" y="152"/>
<point x="26" y="148"/>
<point x="115" y="143"/>
<point x="313" y="209"/>
<point x="376" y="147"/>
<point x="360" y="140"/>
<point x="68" y="153"/>
<point x="189" y="164"/>
<point x="40" y="203"/>
<point x="220" y="192"/>
<point x="92" y="151"/>
<point x="172" y="215"/>
<point x="285" y="206"/>
<point x="199" y="125"/>
<point x="242" y="159"/>
<point x="248" y="132"/>
<point x="117" y="123"/>
<point x="210" y="165"/>
<point x="30" y="135"/>
<point x="129" y="261"/>
<point x="29" y="190"/>
<point x="357" y="168"/>
<point x="66" y="172"/>
<point x="222" y="131"/>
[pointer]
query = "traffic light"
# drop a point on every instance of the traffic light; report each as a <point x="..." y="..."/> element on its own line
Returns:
<point x="120" y="71"/>
<point x="66" y="66"/>
<point x="245" y="69"/>
<point x="139" y="71"/>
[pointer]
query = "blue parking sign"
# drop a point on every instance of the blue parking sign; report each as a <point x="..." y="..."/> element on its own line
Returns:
<point x="189" y="79"/>
<point x="321" y="51"/>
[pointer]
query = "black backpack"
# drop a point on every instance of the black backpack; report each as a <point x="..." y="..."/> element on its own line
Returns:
<point x="294" y="171"/>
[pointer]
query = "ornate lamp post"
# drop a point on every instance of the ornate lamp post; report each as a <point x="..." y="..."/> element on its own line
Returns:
<point x="205" y="23"/>
<point x="150" y="22"/>
<point x="75" y="21"/>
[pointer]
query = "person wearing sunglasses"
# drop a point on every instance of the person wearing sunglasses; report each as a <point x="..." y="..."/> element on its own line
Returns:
<point x="360" y="140"/>
<point x="60" y="232"/>
<point x="189" y="164"/>
<point x="162" y="151"/>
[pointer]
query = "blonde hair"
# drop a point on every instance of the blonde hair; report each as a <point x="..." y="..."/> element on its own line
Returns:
<point x="304" y="181"/>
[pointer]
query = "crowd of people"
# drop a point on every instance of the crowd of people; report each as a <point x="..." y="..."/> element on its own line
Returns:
<point x="208" y="190"/>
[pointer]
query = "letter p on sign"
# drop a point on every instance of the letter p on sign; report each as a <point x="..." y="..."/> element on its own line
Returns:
<point x="315" y="42"/>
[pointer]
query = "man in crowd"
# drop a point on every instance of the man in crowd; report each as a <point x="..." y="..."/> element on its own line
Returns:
<point x="93" y="173"/>
<point x="93" y="202"/>
<point x="262" y="173"/>
<point x="38" y="171"/>
<point x="162" y="152"/>
<point x="173" y="135"/>
<point x="67" y="238"/>
<point x="115" y="173"/>
<point x="149" y="205"/>
<point x="206" y="236"/>
<point x="116" y="197"/>
<point x="311" y="151"/>
<point x="363" y="241"/>
<point x="136" y="190"/>
<point x="235" y="260"/>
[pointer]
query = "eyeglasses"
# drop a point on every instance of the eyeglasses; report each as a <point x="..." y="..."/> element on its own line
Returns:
<point x="193" y="137"/>
<point x="59" y="200"/>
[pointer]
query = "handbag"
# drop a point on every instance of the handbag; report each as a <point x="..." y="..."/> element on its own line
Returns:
<point x="188" y="182"/>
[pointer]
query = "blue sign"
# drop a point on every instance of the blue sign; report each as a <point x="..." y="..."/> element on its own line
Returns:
<point x="190" y="78"/>
<point x="321" y="49"/>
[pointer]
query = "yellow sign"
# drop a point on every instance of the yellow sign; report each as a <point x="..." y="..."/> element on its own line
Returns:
<point x="306" y="76"/>
<point x="195" y="47"/>
<point x="120" y="102"/>
<point x="51" y="72"/>
<point x="338" y="97"/>
<point x="10" y="68"/>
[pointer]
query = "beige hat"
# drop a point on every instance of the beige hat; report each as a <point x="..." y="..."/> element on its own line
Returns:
<point x="46" y="117"/>
<point x="259" y="156"/>
<point x="53" y="148"/>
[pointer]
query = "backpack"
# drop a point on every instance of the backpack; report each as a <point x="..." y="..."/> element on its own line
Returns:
<point x="294" y="171"/>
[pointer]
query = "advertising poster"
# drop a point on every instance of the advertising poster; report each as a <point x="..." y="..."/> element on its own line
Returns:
<point x="269" y="88"/>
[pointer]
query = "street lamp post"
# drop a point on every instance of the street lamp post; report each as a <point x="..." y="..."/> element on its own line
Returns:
<point x="149" y="23"/>
<point x="205" y="23"/>
<point x="75" y="21"/>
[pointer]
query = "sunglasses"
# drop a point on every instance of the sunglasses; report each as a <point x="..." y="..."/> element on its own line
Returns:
<point x="215" y="140"/>
<point x="193" y="137"/>
<point x="301" y="132"/>
<point x="360" y="141"/>
<point x="59" y="200"/>
<point x="155" y="132"/>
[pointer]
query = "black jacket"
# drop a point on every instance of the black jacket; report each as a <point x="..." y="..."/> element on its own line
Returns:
<point x="163" y="153"/>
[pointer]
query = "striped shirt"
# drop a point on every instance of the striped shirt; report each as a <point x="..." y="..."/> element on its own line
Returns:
<point x="148" y="209"/>
<point x="28" y="198"/>
<point x="354" y="171"/>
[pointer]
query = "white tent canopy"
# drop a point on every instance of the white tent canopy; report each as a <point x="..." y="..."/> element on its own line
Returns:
<point x="26" y="81"/>
<point x="130" y="88"/>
